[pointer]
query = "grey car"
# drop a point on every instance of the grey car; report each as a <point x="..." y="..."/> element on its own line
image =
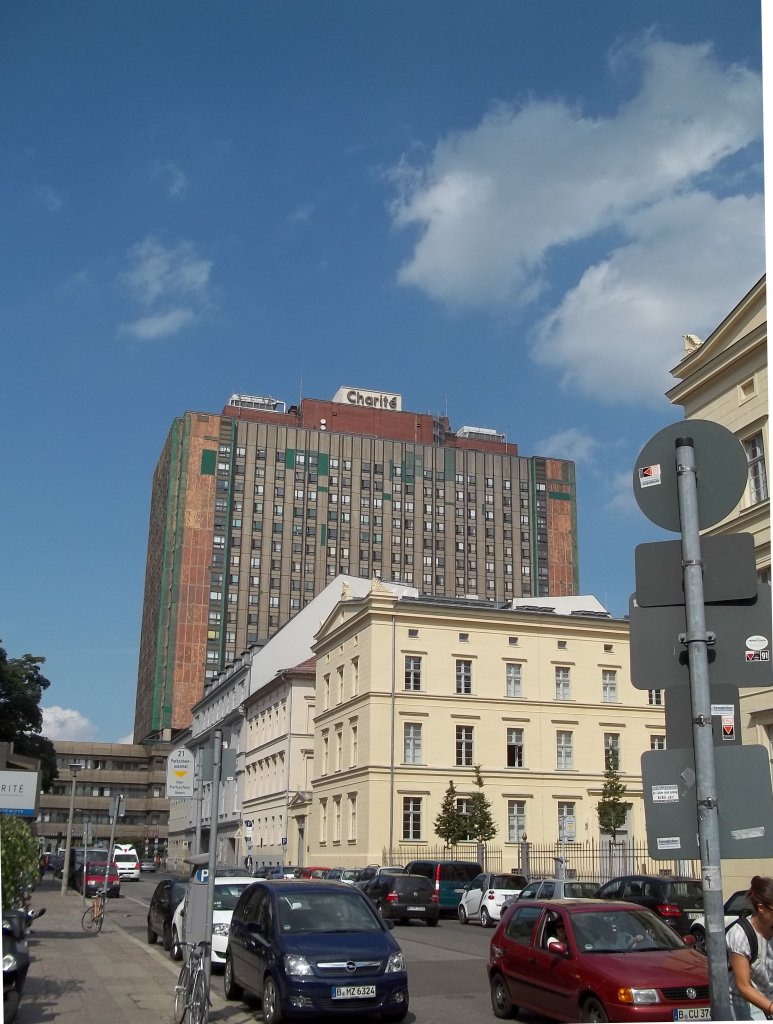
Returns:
<point x="554" y="889"/>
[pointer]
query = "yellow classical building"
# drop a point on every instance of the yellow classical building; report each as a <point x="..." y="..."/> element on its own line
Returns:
<point x="412" y="693"/>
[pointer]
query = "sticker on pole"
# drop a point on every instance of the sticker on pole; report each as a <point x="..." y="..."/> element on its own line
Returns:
<point x="756" y="643"/>
<point x="669" y="843"/>
<point x="728" y="727"/>
<point x="665" y="794"/>
<point x="649" y="476"/>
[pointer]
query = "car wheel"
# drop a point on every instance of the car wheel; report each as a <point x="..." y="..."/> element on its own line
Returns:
<point x="167" y="938"/>
<point x="175" y="949"/>
<point x="593" y="1012"/>
<point x="152" y="937"/>
<point x="230" y="988"/>
<point x="462" y="914"/>
<point x="272" y="1006"/>
<point x="501" y="1003"/>
<point x="432" y="922"/>
<point x="700" y="940"/>
<point x="485" y="918"/>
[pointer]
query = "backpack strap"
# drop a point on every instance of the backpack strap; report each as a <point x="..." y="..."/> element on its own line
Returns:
<point x="749" y="932"/>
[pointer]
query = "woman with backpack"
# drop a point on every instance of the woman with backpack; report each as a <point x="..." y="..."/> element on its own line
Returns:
<point x="751" y="970"/>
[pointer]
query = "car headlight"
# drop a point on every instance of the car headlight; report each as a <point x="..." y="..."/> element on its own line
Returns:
<point x="9" y="962"/>
<point x="220" y="929"/>
<point x="297" y="965"/>
<point x="638" y="995"/>
<point x="396" y="962"/>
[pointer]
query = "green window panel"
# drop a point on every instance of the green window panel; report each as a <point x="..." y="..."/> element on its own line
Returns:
<point x="323" y="465"/>
<point x="323" y="534"/>
<point x="290" y="458"/>
<point x="208" y="462"/>
<point x="449" y="469"/>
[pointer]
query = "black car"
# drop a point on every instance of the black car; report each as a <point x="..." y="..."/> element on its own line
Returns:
<point x="163" y="903"/>
<point x="679" y="901"/>
<point x="314" y="949"/>
<point x="401" y="897"/>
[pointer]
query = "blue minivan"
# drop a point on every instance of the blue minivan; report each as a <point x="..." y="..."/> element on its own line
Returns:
<point x="450" y="878"/>
<point x="309" y="948"/>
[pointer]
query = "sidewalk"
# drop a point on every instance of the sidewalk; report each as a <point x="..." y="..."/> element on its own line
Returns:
<point x="110" y="978"/>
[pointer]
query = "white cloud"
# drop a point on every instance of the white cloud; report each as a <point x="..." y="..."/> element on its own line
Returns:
<point x="573" y="444"/>
<point x="619" y="496"/>
<point x="301" y="214"/>
<point x="50" y="198"/>
<point x="160" y="325"/>
<point x="175" y="179"/>
<point x="495" y="204"/>
<point x="67" y="724"/>
<point x="158" y="272"/>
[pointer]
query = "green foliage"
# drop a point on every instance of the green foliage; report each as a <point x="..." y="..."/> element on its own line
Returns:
<point x="19" y="857"/>
<point x="450" y="825"/>
<point x="21" y="719"/>
<point x="611" y="808"/>
<point x="480" y="822"/>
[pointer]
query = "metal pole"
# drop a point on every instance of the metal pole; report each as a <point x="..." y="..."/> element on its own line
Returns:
<point x="214" y="812"/>
<point x="199" y="799"/>
<point x="392" y="747"/>
<point x="74" y="768"/>
<point x="697" y="639"/>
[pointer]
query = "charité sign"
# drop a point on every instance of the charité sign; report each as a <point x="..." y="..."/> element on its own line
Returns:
<point x="369" y="399"/>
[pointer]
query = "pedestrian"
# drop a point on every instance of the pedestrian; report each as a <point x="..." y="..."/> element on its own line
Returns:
<point x="751" y="978"/>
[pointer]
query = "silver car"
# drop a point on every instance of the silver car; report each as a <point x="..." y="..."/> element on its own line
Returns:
<point x="554" y="889"/>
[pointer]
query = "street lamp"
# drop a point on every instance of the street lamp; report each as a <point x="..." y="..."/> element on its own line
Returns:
<point x="74" y="769"/>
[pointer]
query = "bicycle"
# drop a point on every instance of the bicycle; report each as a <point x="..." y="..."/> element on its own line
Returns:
<point x="191" y="993"/>
<point x="94" y="916"/>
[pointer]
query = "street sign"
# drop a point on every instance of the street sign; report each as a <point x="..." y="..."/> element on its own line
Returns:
<point x="729" y="571"/>
<point x="179" y="774"/>
<point x="725" y="715"/>
<point x="659" y="659"/>
<point x="248" y="828"/>
<point x="744" y="802"/>
<point x="721" y="467"/>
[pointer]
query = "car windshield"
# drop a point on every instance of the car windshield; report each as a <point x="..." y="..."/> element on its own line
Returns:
<point x="350" y="875"/>
<point x="580" y="890"/>
<point x="125" y="858"/>
<point x="618" y="931"/>
<point x="691" y="891"/>
<point x="325" y="912"/>
<point x="226" y="894"/>
<point x="178" y="891"/>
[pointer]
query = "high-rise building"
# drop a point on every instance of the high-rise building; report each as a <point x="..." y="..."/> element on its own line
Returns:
<point x="255" y="510"/>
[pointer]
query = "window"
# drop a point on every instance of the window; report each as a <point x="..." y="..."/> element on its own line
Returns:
<point x="516" y="820"/>
<point x="513" y="680"/>
<point x="412" y="817"/>
<point x="563" y="751"/>
<point x="609" y="686"/>
<point x="758" y="478"/>
<point x="611" y="750"/>
<point x="353" y="748"/>
<point x="515" y="748"/>
<point x="562" y="683"/>
<point x="412" y="743"/>
<point x="654" y="696"/>
<point x="337" y="819"/>
<point x="464" y="746"/>
<point x="463" y="676"/>
<point x="412" y="672"/>
<point x="325" y="754"/>
<point x="567" y="822"/>
<point x="463" y="808"/>
<point x="657" y="742"/>
<point x="352" y="818"/>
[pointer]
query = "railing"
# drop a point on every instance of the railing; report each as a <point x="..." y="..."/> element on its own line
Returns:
<point x="591" y="861"/>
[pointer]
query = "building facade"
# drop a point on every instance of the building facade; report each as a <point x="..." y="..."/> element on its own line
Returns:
<point x="255" y="510"/>
<point x="412" y="693"/>
<point x="105" y="770"/>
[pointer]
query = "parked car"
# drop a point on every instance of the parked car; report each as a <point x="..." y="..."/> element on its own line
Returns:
<point x="147" y="866"/>
<point x="228" y="888"/>
<point x="348" y="875"/>
<point x="128" y="861"/>
<point x="165" y="899"/>
<point x="484" y="897"/>
<point x="735" y="906"/>
<point x="449" y="877"/>
<point x="317" y="948"/>
<point x="611" y="962"/>
<point x="310" y="872"/>
<point x="373" y="869"/>
<point x="679" y="901"/>
<point x="554" y="889"/>
<point x="91" y="879"/>
<point x="401" y="897"/>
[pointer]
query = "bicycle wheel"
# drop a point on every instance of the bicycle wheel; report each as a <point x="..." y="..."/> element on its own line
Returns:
<point x="199" y="1004"/>
<point x="181" y="995"/>
<point x="90" y="923"/>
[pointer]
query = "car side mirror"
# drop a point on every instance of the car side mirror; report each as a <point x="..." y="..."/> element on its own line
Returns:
<point x="388" y="922"/>
<point x="559" y="948"/>
<point x="689" y="940"/>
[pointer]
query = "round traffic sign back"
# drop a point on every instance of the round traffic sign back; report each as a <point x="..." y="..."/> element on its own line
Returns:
<point x="721" y="473"/>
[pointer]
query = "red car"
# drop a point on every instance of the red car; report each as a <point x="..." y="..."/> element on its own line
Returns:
<point x="594" y="960"/>
<point x="94" y="876"/>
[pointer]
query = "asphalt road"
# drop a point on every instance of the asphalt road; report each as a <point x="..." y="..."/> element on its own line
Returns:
<point x="446" y="965"/>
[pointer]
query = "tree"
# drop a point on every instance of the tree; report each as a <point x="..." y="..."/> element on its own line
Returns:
<point x="450" y="824"/>
<point x="21" y="719"/>
<point x="19" y="856"/>
<point x="480" y="822"/>
<point x="610" y="808"/>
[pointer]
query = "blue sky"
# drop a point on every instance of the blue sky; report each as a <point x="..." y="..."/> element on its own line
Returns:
<point x="510" y="211"/>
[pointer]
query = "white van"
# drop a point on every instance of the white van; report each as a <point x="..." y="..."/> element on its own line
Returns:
<point x="127" y="862"/>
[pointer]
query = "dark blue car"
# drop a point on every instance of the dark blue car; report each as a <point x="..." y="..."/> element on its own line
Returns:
<point x="311" y="948"/>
